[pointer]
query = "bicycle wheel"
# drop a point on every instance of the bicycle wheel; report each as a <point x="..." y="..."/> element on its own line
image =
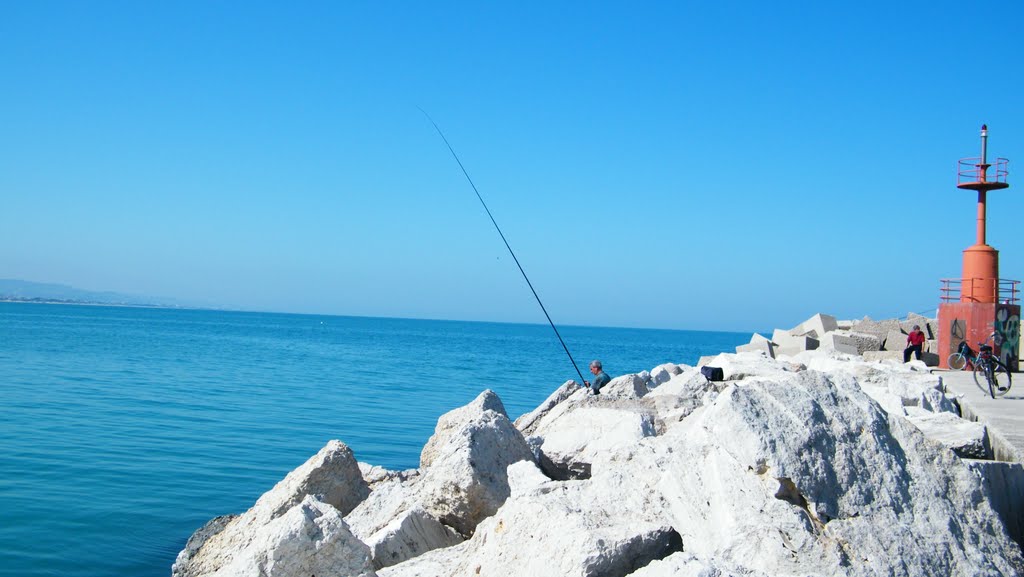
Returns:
<point x="957" y="362"/>
<point x="981" y="377"/>
<point x="1001" y="378"/>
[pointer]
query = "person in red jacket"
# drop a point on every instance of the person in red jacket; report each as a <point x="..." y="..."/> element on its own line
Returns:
<point x="915" y="340"/>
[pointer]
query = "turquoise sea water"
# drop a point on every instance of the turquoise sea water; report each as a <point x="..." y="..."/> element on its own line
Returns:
<point x="125" y="429"/>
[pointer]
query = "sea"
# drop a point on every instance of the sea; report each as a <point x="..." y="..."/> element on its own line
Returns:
<point x="125" y="429"/>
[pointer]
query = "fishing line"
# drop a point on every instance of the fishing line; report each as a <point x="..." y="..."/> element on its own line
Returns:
<point x="496" y="227"/>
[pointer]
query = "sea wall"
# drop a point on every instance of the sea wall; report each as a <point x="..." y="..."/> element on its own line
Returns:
<point x="803" y="462"/>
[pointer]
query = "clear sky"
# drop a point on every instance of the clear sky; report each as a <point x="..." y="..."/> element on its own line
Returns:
<point x="699" y="165"/>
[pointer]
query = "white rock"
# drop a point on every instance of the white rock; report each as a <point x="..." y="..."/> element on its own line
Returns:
<point x="310" y="538"/>
<point x="683" y="564"/>
<point x="625" y="387"/>
<point x="544" y="533"/>
<point x="662" y="373"/>
<point x="573" y="441"/>
<point x="463" y="480"/>
<point x="740" y="365"/>
<point x="966" y="438"/>
<point x="529" y="421"/>
<point x="332" y="475"/>
<point x="465" y="463"/>
<point x="889" y="357"/>
<point x="412" y="533"/>
<point x="524" y="477"/>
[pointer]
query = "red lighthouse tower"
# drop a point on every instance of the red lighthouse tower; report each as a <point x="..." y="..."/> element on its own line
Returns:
<point x="980" y="305"/>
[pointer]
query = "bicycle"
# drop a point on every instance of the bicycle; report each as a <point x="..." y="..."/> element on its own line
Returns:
<point x="963" y="357"/>
<point x="990" y="374"/>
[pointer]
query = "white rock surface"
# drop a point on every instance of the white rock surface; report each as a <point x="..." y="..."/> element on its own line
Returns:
<point x="529" y="421"/>
<point x="800" y="474"/>
<point x="662" y="373"/>
<point x="311" y="538"/>
<point x="625" y="387"/>
<point x="577" y="438"/>
<point x="463" y="479"/>
<point x="332" y="475"/>
<point x="412" y="533"/>
<point x="819" y="463"/>
<point x="969" y="439"/>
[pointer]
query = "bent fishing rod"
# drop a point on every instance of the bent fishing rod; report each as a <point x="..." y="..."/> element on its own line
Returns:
<point x="510" y="251"/>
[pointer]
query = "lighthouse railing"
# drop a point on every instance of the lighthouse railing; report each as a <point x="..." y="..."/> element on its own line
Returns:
<point x="1005" y="291"/>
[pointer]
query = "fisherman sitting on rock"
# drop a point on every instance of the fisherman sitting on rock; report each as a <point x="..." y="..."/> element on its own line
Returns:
<point x="601" y="379"/>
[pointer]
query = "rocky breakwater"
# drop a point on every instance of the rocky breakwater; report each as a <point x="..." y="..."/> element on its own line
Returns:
<point x="803" y="465"/>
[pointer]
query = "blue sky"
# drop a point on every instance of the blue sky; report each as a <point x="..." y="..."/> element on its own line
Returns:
<point x="699" y="165"/>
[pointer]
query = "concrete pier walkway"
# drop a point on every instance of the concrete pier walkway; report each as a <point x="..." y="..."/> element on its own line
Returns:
<point x="1004" y="416"/>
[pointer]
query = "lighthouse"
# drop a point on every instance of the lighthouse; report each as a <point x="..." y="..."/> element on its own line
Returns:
<point x="979" y="306"/>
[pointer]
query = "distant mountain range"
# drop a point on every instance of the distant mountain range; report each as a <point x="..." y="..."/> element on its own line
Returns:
<point x="27" y="291"/>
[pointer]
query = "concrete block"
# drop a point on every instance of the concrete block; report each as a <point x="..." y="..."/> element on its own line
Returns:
<point x="788" y="344"/>
<point x="757" y="338"/>
<point x="839" y="342"/>
<point x="845" y="325"/>
<point x="767" y="347"/>
<point x="878" y="328"/>
<point x="930" y="359"/>
<point x="929" y="326"/>
<point x="896" y="341"/>
<point x="968" y="439"/>
<point x="865" y="342"/>
<point x="816" y="326"/>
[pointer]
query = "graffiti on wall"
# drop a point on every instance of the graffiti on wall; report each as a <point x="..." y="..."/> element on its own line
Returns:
<point x="957" y="333"/>
<point x="1007" y="335"/>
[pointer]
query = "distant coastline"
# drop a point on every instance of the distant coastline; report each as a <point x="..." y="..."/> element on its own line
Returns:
<point x="50" y="301"/>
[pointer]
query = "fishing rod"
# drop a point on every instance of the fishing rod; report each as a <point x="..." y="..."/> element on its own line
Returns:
<point x="510" y="251"/>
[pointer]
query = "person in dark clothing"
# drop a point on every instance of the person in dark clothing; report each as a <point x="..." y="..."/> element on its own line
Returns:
<point x="915" y="340"/>
<point x="601" y="378"/>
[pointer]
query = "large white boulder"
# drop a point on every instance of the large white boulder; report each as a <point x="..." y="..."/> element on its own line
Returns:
<point x="412" y="533"/>
<point x="527" y="422"/>
<point x="463" y="479"/>
<point x="741" y="365"/>
<point x="575" y="440"/>
<point x="332" y="476"/>
<point x="625" y="387"/>
<point x="465" y="463"/>
<point x="662" y="373"/>
<point x="577" y="528"/>
<point x="310" y="538"/>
